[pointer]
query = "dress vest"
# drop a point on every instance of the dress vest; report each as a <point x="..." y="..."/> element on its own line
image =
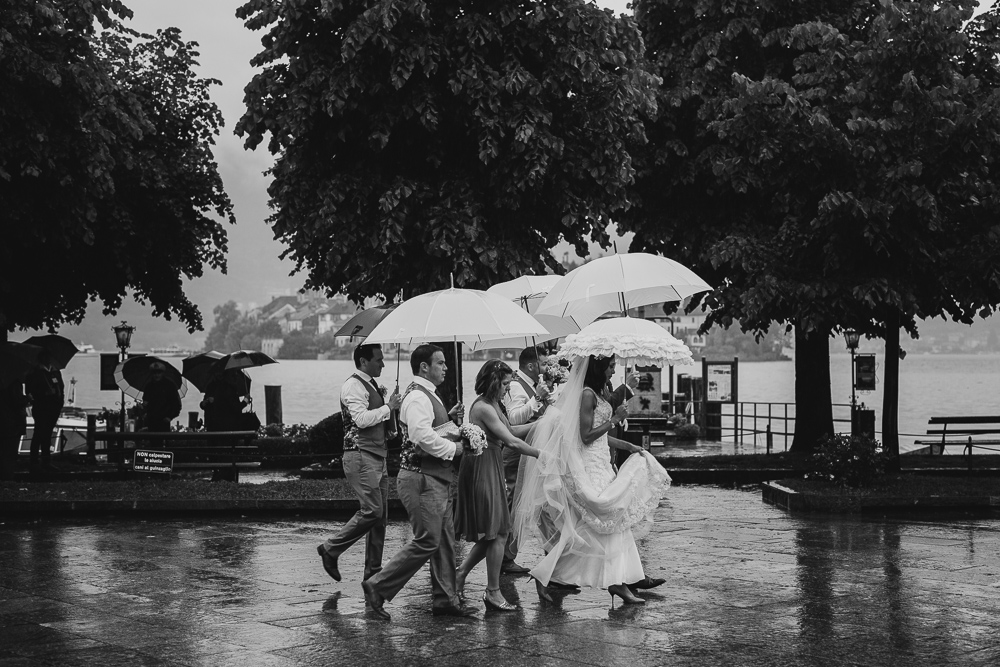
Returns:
<point x="527" y="387"/>
<point x="412" y="457"/>
<point x="371" y="439"/>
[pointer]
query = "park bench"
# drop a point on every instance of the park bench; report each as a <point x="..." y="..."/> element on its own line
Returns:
<point x="224" y="452"/>
<point x="970" y="432"/>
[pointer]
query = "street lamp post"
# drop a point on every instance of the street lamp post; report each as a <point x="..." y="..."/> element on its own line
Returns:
<point x="852" y="338"/>
<point x="123" y="338"/>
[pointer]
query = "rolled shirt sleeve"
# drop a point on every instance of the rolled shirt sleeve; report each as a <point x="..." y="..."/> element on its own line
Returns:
<point x="354" y="394"/>
<point x="418" y="415"/>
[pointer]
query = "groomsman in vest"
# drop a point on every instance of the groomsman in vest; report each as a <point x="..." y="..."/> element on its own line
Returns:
<point x="525" y="401"/>
<point x="428" y="466"/>
<point x="366" y="413"/>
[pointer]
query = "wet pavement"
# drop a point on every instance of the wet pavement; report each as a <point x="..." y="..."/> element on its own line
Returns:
<point x="747" y="584"/>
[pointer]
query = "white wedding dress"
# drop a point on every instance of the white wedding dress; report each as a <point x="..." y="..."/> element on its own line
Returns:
<point x="573" y="502"/>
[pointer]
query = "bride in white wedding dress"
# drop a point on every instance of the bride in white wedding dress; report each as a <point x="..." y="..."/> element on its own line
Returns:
<point x="570" y="498"/>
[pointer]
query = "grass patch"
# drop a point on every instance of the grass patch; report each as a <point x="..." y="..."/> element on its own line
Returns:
<point x="178" y="489"/>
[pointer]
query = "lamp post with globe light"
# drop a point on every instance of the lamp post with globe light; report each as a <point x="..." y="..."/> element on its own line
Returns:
<point x="123" y="338"/>
<point x="853" y="338"/>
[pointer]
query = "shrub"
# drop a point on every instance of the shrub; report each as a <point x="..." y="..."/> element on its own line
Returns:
<point x="688" y="432"/>
<point x="848" y="460"/>
<point x="328" y="434"/>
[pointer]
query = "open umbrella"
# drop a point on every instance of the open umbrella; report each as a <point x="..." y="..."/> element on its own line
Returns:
<point x="620" y="282"/>
<point x="199" y="369"/>
<point x="635" y="341"/>
<point x="364" y="321"/>
<point x="458" y="316"/>
<point x="133" y="375"/>
<point x="243" y="359"/>
<point x="59" y="348"/>
<point x="528" y="292"/>
<point x="17" y="360"/>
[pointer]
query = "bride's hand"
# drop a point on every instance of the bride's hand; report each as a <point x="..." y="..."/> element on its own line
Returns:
<point x="621" y="412"/>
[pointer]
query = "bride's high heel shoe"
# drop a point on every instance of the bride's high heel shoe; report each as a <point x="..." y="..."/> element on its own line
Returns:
<point x="494" y="606"/>
<point x="627" y="596"/>
<point x="543" y="591"/>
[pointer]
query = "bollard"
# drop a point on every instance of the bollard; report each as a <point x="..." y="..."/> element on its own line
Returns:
<point x="91" y="439"/>
<point x="770" y="438"/>
<point x="272" y="405"/>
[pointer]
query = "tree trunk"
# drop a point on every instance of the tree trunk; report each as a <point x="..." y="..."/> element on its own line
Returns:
<point x="890" y="394"/>
<point x="813" y="402"/>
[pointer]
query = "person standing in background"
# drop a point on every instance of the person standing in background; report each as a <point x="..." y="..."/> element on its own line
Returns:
<point x="48" y="394"/>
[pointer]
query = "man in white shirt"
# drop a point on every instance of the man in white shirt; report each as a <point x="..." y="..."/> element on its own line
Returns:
<point x="525" y="401"/>
<point x="366" y="413"/>
<point x="428" y="466"/>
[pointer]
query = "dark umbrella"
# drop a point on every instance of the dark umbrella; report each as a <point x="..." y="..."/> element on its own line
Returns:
<point x="243" y="359"/>
<point x="60" y="348"/>
<point x="364" y="321"/>
<point x="132" y="375"/>
<point x="17" y="360"/>
<point x="199" y="369"/>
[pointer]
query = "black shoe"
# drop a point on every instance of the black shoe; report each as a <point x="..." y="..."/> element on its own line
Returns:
<point x="510" y="567"/>
<point x="647" y="583"/>
<point x="329" y="563"/>
<point x="375" y="601"/>
<point x="454" y="610"/>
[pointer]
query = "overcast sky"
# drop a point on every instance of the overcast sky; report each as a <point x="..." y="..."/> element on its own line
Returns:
<point x="255" y="270"/>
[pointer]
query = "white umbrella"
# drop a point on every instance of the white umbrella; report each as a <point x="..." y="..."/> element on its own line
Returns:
<point x="620" y="282"/>
<point x="635" y="341"/>
<point x="528" y="292"/>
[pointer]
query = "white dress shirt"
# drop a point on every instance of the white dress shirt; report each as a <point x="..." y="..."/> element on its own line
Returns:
<point x="417" y="413"/>
<point x="354" y="394"/>
<point x="520" y="406"/>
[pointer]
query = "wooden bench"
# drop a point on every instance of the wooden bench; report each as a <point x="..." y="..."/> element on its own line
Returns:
<point x="224" y="452"/>
<point x="971" y="432"/>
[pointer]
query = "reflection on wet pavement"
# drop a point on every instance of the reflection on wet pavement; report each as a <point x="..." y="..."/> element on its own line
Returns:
<point x="747" y="584"/>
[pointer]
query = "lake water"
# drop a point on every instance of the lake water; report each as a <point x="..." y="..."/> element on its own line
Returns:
<point x="929" y="385"/>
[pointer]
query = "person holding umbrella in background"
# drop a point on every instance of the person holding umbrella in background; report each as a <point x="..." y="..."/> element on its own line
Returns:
<point x="161" y="400"/>
<point x="47" y="392"/>
<point x="366" y="411"/>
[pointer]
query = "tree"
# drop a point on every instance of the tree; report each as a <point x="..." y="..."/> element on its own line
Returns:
<point x="107" y="180"/>
<point x="827" y="165"/>
<point x="418" y="139"/>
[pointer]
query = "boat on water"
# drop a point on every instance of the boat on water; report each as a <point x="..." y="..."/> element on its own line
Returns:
<point x="170" y="351"/>
<point x="69" y="438"/>
<point x="85" y="348"/>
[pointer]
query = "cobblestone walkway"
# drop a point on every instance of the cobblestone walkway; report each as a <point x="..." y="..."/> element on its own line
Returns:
<point x="746" y="585"/>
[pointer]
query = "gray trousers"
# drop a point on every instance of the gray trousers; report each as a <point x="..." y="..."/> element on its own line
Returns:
<point x="511" y="464"/>
<point x="430" y="504"/>
<point x="368" y="477"/>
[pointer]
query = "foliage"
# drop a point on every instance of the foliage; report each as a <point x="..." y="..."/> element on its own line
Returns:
<point x="687" y="432"/>
<point x="291" y="431"/>
<point x="417" y="139"/>
<point x="825" y="164"/>
<point x="329" y="432"/>
<point x="234" y="330"/>
<point x="298" y="345"/>
<point x="856" y="461"/>
<point x="107" y="180"/>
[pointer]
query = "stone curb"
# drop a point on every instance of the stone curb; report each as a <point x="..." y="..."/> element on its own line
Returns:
<point x="18" y="509"/>
<point x="781" y="496"/>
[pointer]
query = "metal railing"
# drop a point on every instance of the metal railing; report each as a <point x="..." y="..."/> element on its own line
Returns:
<point x="767" y="425"/>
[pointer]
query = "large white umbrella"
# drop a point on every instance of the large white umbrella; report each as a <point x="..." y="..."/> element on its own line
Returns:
<point x="635" y="341"/>
<point x="528" y="292"/>
<point x="458" y="316"/>
<point x="620" y="282"/>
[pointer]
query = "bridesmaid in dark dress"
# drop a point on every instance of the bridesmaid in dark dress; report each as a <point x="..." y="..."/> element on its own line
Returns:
<point x="481" y="514"/>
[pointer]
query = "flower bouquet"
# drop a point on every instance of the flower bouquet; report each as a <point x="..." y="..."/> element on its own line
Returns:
<point x="473" y="439"/>
<point x="553" y="375"/>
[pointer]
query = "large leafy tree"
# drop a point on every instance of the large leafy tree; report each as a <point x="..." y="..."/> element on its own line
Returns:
<point x="419" y="138"/>
<point x="107" y="180"/>
<point x="829" y="165"/>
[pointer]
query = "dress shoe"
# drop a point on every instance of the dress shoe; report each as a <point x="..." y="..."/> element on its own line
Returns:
<point x="375" y="601"/>
<point x="454" y="610"/>
<point x="559" y="586"/>
<point x="510" y="567"/>
<point x="647" y="583"/>
<point x="329" y="563"/>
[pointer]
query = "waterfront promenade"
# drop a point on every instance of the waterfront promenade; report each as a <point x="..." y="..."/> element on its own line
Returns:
<point x="747" y="584"/>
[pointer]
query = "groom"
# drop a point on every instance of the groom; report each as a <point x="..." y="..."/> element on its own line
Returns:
<point x="427" y="470"/>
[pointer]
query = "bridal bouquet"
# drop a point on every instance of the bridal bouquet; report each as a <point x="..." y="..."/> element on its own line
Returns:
<point x="473" y="438"/>
<point x="553" y="375"/>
